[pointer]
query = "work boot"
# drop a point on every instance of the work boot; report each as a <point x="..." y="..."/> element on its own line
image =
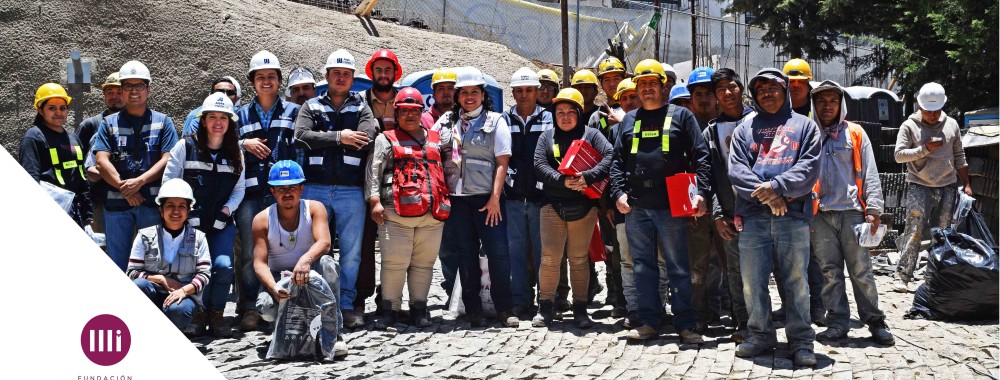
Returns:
<point x="778" y="315"/>
<point x="476" y="320"/>
<point x="618" y="312"/>
<point x="218" y="326"/>
<point x="508" y="319"/>
<point x="804" y="358"/>
<point x="642" y="333"/>
<point x="250" y="321"/>
<point x="353" y="318"/>
<point x="387" y="317"/>
<point x="880" y="332"/>
<point x="631" y="320"/>
<point x="594" y="290"/>
<point x="832" y="333"/>
<point x="544" y="316"/>
<point x="818" y="316"/>
<point x="749" y="349"/>
<point x="197" y="326"/>
<point x="691" y="337"/>
<point x="583" y="320"/>
<point x="739" y="336"/>
<point x="419" y="316"/>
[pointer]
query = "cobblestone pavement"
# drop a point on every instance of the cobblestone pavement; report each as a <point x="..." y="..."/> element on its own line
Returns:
<point x="451" y="349"/>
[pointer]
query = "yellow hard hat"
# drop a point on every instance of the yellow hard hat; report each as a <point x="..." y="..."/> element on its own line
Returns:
<point x="649" y="68"/>
<point x="571" y="95"/>
<point x="584" y="77"/>
<point x="443" y="76"/>
<point x="798" y="69"/>
<point x="548" y="75"/>
<point x="48" y="91"/>
<point x="111" y="80"/>
<point x="610" y="65"/>
<point x="625" y="85"/>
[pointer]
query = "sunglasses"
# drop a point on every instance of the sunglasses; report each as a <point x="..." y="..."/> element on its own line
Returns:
<point x="227" y="92"/>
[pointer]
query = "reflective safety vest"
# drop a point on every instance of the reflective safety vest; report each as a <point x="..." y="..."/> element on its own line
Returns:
<point x="280" y="135"/>
<point x="133" y="153"/>
<point x="184" y="267"/>
<point x="855" y="134"/>
<point x="67" y="161"/>
<point x="416" y="178"/>
<point x="638" y="133"/>
<point x="212" y="181"/>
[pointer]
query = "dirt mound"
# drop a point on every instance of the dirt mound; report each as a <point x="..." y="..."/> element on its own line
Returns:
<point x="188" y="43"/>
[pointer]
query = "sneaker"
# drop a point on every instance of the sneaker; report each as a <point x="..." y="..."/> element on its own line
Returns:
<point x="544" y="316"/>
<point x="642" y="333"/>
<point x="804" y="358"/>
<point x="880" y="332"/>
<point x="691" y="337"/>
<point x="353" y="318"/>
<point x="339" y="348"/>
<point x="899" y="285"/>
<point x="509" y="320"/>
<point x="749" y="349"/>
<point x="832" y="333"/>
<point x="631" y="320"/>
<point x="250" y="321"/>
<point x="218" y="326"/>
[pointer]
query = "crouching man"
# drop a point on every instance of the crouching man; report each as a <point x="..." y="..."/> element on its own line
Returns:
<point x="291" y="235"/>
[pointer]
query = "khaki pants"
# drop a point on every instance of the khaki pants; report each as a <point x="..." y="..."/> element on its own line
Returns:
<point x="409" y="249"/>
<point x="573" y="238"/>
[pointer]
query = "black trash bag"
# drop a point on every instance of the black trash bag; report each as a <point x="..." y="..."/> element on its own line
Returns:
<point x="308" y="322"/>
<point x="975" y="226"/>
<point x="961" y="280"/>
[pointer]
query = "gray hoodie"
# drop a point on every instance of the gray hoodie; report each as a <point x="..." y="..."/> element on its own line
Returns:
<point x="838" y="190"/>
<point x="923" y="167"/>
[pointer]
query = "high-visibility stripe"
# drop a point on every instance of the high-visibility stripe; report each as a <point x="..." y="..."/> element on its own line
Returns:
<point x="198" y="165"/>
<point x="555" y="151"/>
<point x="412" y="199"/>
<point x="637" y="133"/>
<point x="54" y="155"/>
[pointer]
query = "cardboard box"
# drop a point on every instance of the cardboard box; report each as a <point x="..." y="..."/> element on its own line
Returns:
<point x="581" y="157"/>
<point x="682" y="188"/>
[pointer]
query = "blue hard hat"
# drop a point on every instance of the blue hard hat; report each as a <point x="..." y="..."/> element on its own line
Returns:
<point x="284" y="173"/>
<point x="679" y="91"/>
<point x="700" y="75"/>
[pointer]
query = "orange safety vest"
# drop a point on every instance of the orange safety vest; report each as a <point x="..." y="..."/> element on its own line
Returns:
<point x="855" y="134"/>
<point x="417" y="176"/>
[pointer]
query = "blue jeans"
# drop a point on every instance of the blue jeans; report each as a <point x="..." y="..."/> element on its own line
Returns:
<point x="646" y="228"/>
<point x="179" y="313"/>
<point x="248" y="285"/>
<point x="836" y="244"/>
<point x="524" y="233"/>
<point x="465" y="232"/>
<point x="220" y="247"/>
<point x="345" y="206"/>
<point x="787" y="238"/>
<point x="120" y="228"/>
<point x="628" y="272"/>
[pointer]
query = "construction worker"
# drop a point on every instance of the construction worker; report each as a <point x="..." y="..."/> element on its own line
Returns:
<point x="680" y="96"/>
<point x="291" y="235"/>
<point x="131" y="148"/>
<point x="226" y="85"/>
<point x="405" y="165"/>
<point x="610" y="72"/>
<point x="301" y="86"/>
<point x="523" y="190"/>
<point x="211" y="162"/>
<point x="114" y="101"/>
<point x="169" y="261"/>
<point x="703" y="103"/>
<point x="568" y="216"/>
<point x="550" y="86"/>
<point x="336" y="128"/>
<point x="772" y="165"/>
<point x="586" y="82"/>
<point x="266" y="135"/>
<point x="799" y="74"/>
<point x="930" y="144"/>
<point x="50" y="153"/>
<point x="671" y="76"/>
<point x="729" y="90"/>
<point x="847" y="194"/>
<point x="476" y="144"/>
<point x="658" y="141"/>
<point x="443" y="87"/>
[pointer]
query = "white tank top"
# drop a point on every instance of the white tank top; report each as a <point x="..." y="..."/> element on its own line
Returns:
<point x="284" y="248"/>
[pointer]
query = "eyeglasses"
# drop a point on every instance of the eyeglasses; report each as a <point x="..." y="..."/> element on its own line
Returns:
<point x="408" y="111"/>
<point x="227" y="92"/>
<point x="135" y="87"/>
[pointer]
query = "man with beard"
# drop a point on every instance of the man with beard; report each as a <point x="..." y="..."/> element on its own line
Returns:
<point x="114" y="101"/>
<point x="301" y="86"/>
<point x="443" y="87"/>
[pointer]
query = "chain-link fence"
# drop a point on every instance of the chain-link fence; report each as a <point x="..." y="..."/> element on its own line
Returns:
<point x="533" y="30"/>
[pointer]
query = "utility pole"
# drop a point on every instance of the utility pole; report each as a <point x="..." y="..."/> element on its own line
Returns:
<point x="656" y="28"/>
<point x="564" y="7"/>
<point x="576" y="49"/>
<point x="694" y="37"/>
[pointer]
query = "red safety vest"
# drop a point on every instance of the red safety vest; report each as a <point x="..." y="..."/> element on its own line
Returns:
<point x="418" y="182"/>
<point x="854" y="133"/>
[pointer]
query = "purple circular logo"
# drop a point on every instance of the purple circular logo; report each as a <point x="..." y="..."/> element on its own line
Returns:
<point x="105" y="340"/>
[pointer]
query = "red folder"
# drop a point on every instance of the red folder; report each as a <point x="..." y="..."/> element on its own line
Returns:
<point x="581" y="157"/>
<point x="682" y="188"/>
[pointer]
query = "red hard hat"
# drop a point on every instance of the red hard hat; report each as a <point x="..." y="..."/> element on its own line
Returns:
<point x="384" y="54"/>
<point x="409" y="97"/>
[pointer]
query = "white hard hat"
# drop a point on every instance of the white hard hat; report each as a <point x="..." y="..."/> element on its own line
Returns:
<point x="524" y="77"/>
<point x="239" y="92"/>
<point x="340" y="58"/>
<point x="218" y="102"/>
<point x="931" y="97"/>
<point x="669" y="70"/>
<point x="261" y="61"/>
<point x="175" y="188"/>
<point x="134" y="70"/>
<point x="301" y="75"/>
<point x="469" y="76"/>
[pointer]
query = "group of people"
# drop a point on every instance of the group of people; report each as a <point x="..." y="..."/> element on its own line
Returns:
<point x="774" y="159"/>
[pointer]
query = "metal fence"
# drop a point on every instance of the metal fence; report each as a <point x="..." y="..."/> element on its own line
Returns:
<point x="532" y="29"/>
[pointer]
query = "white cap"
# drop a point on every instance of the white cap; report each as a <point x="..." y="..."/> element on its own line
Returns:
<point x="134" y="70"/>
<point x="469" y="76"/>
<point x="524" y="77"/>
<point x="340" y="58"/>
<point x="261" y="61"/>
<point x="218" y="102"/>
<point x="931" y="97"/>
<point x="669" y="70"/>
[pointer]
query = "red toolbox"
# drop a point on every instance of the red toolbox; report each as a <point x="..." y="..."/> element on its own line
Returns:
<point x="581" y="157"/>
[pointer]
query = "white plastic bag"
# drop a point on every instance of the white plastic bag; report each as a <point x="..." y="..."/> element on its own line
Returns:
<point x="307" y="323"/>
<point x="865" y="237"/>
<point x="962" y="208"/>
<point x="97" y="237"/>
<point x="63" y="197"/>
<point x="457" y="307"/>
